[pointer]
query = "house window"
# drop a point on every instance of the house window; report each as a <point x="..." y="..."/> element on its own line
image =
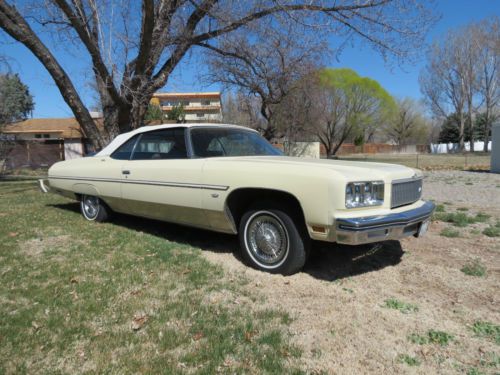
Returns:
<point x="205" y="102"/>
<point x="200" y="115"/>
<point x="38" y="136"/>
<point x="170" y="103"/>
<point x="45" y="135"/>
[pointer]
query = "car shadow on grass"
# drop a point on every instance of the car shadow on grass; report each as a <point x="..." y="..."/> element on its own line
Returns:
<point x="332" y="262"/>
<point x="327" y="261"/>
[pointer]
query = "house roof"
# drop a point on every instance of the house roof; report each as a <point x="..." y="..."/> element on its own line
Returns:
<point x="186" y="95"/>
<point x="64" y="127"/>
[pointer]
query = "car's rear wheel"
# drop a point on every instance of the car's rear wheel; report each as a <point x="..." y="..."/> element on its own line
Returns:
<point x="271" y="241"/>
<point x="93" y="209"/>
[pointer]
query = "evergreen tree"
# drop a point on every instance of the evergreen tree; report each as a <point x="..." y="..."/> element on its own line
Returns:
<point x="16" y="102"/>
<point x="450" y="130"/>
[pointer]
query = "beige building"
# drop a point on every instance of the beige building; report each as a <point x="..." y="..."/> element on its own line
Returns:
<point x="198" y="106"/>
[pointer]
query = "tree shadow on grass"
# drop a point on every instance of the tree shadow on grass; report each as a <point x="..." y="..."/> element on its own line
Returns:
<point x="327" y="261"/>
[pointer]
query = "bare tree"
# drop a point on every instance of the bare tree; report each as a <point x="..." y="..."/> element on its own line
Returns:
<point x="407" y="124"/>
<point x="442" y="84"/>
<point x="295" y="117"/>
<point x="241" y="109"/>
<point x="130" y="63"/>
<point x="264" y="63"/>
<point x="487" y="35"/>
<point x="462" y="74"/>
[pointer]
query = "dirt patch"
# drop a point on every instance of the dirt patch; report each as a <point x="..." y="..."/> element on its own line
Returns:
<point x="338" y="303"/>
<point x="37" y="246"/>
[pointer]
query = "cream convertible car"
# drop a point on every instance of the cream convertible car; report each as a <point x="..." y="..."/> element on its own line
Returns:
<point x="229" y="179"/>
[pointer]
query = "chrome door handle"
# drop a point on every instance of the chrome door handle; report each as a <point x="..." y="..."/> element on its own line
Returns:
<point x="125" y="172"/>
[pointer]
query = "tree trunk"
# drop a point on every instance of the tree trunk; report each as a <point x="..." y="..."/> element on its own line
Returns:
<point x="487" y="127"/>
<point x="137" y="112"/>
<point x="116" y="121"/>
<point x="471" y="128"/>
<point x="486" y="139"/>
<point x="336" y="148"/>
<point x="269" y="132"/>
<point x="461" y="132"/>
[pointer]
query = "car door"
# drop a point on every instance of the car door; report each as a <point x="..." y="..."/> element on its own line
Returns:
<point x="106" y="175"/>
<point x="161" y="182"/>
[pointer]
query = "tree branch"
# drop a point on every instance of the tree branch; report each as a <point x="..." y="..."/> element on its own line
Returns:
<point x="92" y="47"/>
<point x="283" y="9"/>
<point x="146" y="38"/>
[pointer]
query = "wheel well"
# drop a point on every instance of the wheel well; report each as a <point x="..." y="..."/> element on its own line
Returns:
<point x="240" y="200"/>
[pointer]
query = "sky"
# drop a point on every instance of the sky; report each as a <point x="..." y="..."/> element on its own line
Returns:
<point x="400" y="81"/>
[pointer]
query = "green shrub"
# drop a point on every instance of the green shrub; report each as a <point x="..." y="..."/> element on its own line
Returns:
<point x="460" y="219"/>
<point x="432" y="337"/>
<point x="449" y="232"/>
<point x="440" y="208"/>
<point x="415" y="338"/>
<point x="488" y="330"/>
<point x="409" y="360"/>
<point x="475" y="268"/>
<point x="404" y="307"/>
<point x="439" y="337"/>
<point x="492" y="231"/>
<point x="481" y="217"/>
<point x="474" y="371"/>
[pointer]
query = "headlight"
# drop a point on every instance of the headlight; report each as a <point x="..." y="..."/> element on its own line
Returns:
<point x="362" y="194"/>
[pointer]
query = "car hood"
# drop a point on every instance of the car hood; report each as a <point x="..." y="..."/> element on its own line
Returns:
<point x="351" y="170"/>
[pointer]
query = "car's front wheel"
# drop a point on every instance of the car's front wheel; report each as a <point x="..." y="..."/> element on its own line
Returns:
<point x="93" y="209"/>
<point x="271" y="241"/>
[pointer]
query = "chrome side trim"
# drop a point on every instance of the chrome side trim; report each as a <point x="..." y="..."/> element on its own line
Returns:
<point x="145" y="182"/>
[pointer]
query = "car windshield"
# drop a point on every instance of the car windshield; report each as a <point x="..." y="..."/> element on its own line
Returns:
<point x="212" y="142"/>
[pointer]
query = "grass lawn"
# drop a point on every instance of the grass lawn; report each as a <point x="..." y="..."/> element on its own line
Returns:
<point x="428" y="161"/>
<point x="80" y="297"/>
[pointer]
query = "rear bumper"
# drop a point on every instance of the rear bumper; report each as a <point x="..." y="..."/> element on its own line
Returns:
<point x="43" y="185"/>
<point x="360" y="230"/>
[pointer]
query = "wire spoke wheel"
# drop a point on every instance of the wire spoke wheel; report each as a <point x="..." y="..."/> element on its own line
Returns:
<point x="92" y="208"/>
<point x="267" y="239"/>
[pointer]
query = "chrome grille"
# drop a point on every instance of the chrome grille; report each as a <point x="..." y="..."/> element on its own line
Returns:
<point x="405" y="192"/>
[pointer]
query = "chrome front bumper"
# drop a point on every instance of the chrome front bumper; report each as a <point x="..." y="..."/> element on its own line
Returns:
<point x="360" y="230"/>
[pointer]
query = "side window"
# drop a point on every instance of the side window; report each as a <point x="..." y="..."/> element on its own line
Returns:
<point x="161" y="144"/>
<point x="125" y="150"/>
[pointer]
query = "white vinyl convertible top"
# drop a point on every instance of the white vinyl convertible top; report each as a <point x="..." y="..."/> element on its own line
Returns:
<point x="122" y="138"/>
